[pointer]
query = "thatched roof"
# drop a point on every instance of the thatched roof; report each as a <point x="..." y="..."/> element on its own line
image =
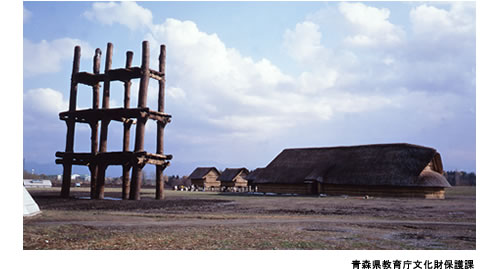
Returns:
<point x="200" y="172"/>
<point x="230" y="174"/>
<point x="253" y="175"/>
<point x="379" y="164"/>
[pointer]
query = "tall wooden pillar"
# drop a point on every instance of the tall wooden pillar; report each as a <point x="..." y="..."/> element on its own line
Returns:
<point x="94" y="125"/>
<point x="70" y="123"/>
<point x="101" y="170"/>
<point x="160" y="126"/>
<point x="135" y="188"/>
<point x="126" y="131"/>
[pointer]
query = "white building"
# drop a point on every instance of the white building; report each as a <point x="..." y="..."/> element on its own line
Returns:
<point x="37" y="183"/>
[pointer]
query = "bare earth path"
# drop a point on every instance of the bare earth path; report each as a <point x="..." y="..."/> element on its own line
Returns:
<point x="239" y="221"/>
<point x="210" y="222"/>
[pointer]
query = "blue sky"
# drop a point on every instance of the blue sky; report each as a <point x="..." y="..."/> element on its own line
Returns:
<point x="247" y="79"/>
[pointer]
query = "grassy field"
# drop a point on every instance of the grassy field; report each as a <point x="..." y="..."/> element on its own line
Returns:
<point x="210" y="220"/>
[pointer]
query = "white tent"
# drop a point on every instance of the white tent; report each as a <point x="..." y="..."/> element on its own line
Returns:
<point x="30" y="206"/>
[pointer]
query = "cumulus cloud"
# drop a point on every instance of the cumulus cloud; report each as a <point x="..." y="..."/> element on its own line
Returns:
<point x="41" y="108"/>
<point x="372" y="26"/>
<point x="317" y="82"/>
<point x="304" y="43"/>
<point x="47" y="56"/>
<point x="44" y="101"/>
<point x="442" y="54"/>
<point x="220" y="86"/>
<point x="43" y="132"/>
<point x="126" y="13"/>
<point x="217" y="79"/>
<point x="435" y="23"/>
<point x="443" y="34"/>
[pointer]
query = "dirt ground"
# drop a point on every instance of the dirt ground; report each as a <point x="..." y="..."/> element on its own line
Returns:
<point x="210" y="220"/>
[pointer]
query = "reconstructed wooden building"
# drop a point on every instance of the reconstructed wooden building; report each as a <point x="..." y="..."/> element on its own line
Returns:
<point x="99" y="118"/>
<point x="402" y="170"/>
<point x="205" y="178"/>
<point x="234" y="178"/>
<point x="251" y="178"/>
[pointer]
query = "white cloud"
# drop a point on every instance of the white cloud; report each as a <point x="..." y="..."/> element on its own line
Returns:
<point x="220" y="82"/>
<point x="304" y="43"/>
<point x="371" y="25"/>
<point x="47" y="56"/>
<point x="26" y="15"/>
<point x="44" y="101"/>
<point x="318" y="81"/>
<point x="217" y="85"/>
<point x="434" y="23"/>
<point x="43" y="132"/>
<point x="442" y="54"/>
<point x="126" y="13"/>
<point x="204" y="58"/>
<point x="176" y="93"/>
<point x="212" y="81"/>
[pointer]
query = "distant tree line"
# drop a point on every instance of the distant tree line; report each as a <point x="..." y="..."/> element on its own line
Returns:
<point x="149" y="180"/>
<point x="176" y="180"/>
<point x="455" y="178"/>
<point x="30" y="175"/>
<point x="460" y="178"/>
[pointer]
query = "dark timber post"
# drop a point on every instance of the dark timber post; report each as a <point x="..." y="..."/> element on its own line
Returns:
<point x="70" y="123"/>
<point x="101" y="171"/>
<point x="94" y="125"/>
<point x="160" y="126"/>
<point x="126" y="131"/>
<point x="135" y="188"/>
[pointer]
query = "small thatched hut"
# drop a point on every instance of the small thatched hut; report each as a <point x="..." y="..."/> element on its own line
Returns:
<point x="205" y="178"/>
<point x="234" y="178"/>
<point x="375" y="170"/>
<point x="251" y="178"/>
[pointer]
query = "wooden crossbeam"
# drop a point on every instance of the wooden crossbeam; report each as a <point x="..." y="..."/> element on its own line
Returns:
<point x="156" y="75"/>
<point x="89" y="78"/>
<point x="124" y="74"/>
<point x="113" y="158"/>
<point x="116" y="114"/>
<point x="118" y="74"/>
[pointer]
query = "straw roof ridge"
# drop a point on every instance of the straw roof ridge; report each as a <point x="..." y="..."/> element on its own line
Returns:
<point x="381" y="145"/>
<point x="229" y="174"/>
<point x="200" y="172"/>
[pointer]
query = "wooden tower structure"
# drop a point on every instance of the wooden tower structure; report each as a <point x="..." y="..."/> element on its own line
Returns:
<point x="98" y="159"/>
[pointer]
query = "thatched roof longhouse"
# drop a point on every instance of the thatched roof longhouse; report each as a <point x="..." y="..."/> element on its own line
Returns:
<point x="402" y="165"/>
